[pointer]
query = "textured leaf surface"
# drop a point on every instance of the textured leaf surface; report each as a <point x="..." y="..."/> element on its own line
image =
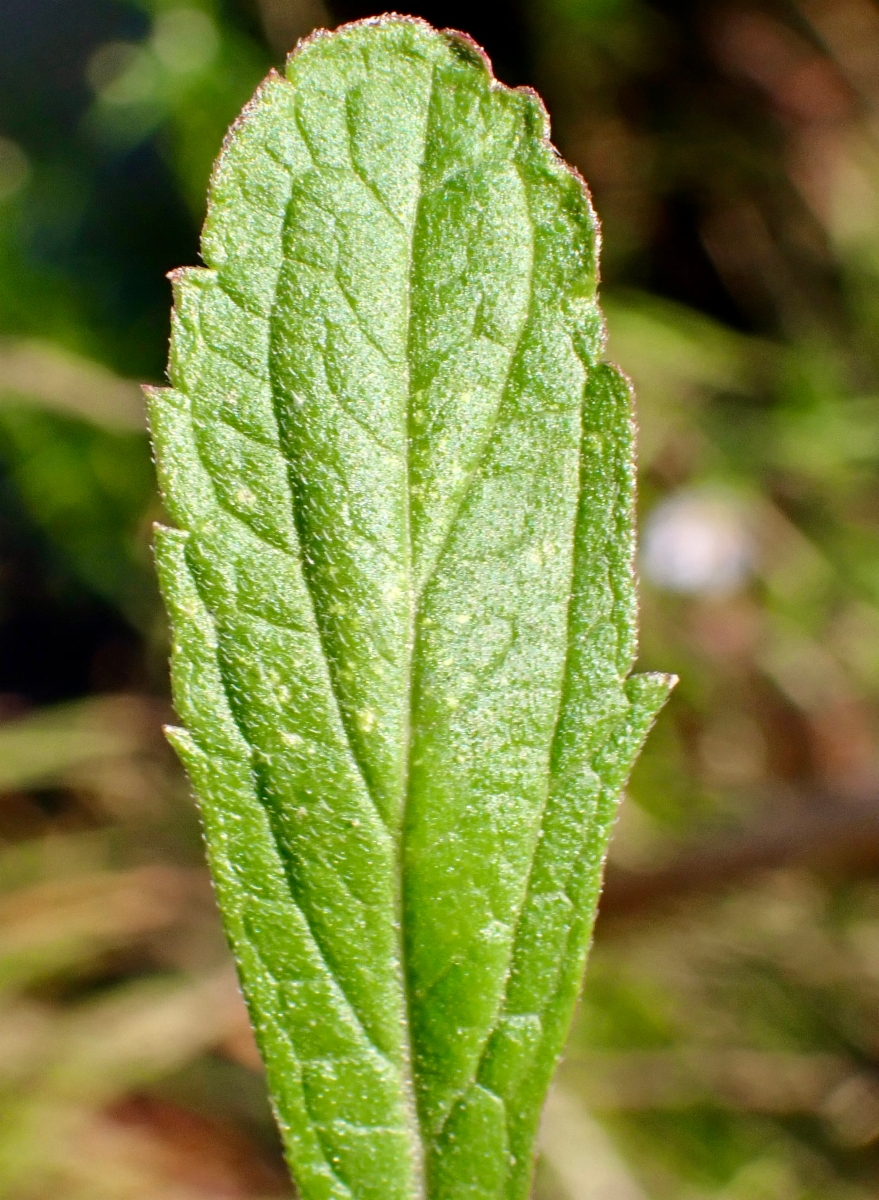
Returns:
<point x="402" y="600"/>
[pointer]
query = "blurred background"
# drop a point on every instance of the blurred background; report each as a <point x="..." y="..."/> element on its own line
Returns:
<point x="727" y="1046"/>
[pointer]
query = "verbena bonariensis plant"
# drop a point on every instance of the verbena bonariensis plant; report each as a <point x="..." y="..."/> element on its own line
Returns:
<point x="402" y="600"/>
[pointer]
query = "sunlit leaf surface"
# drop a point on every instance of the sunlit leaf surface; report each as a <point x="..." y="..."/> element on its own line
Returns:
<point x="402" y="597"/>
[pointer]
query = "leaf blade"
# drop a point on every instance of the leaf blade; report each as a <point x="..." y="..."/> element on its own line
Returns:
<point x="374" y="448"/>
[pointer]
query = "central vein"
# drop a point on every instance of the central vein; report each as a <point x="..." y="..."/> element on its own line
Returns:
<point x="411" y="634"/>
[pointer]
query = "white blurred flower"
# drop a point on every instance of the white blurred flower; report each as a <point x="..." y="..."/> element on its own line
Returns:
<point x="697" y="542"/>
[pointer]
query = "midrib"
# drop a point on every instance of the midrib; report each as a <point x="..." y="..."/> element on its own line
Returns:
<point x="411" y="1097"/>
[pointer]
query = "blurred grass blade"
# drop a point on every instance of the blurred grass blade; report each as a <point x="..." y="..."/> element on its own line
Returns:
<point x="97" y="1053"/>
<point x="581" y="1154"/>
<point x="41" y="372"/>
<point x="61" y="925"/>
<point x="141" y="1033"/>
<point x="38" y="748"/>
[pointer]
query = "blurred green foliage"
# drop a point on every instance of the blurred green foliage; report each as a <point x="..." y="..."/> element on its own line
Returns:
<point x="91" y="490"/>
<point x="727" y="1046"/>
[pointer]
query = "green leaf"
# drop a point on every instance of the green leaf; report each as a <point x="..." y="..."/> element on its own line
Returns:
<point x="403" y="604"/>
